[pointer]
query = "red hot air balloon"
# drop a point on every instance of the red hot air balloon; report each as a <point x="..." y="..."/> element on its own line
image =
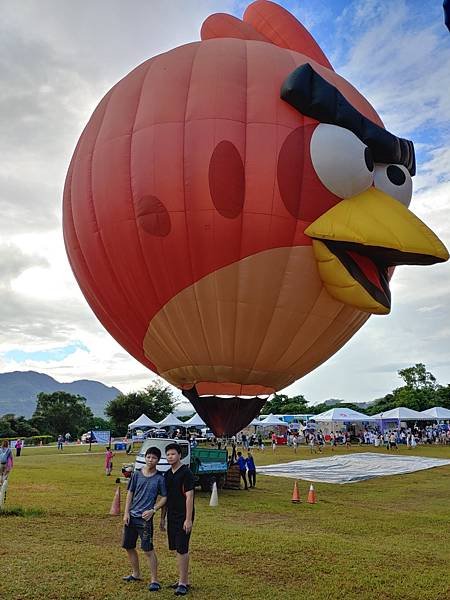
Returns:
<point x="233" y="211"/>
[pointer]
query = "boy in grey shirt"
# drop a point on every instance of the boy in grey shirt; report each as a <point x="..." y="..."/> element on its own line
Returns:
<point x="146" y="494"/>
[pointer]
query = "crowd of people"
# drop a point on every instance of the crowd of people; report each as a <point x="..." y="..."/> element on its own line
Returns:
<point x="316" y="439"/>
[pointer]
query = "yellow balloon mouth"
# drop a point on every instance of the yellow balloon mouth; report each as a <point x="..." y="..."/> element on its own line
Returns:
<point x="358" y="242"/>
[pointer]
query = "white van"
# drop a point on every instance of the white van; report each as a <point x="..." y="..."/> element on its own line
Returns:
<point x="161" y="444"/>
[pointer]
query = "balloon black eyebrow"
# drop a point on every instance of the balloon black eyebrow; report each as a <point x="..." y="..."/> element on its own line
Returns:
<point x="313" y="96"/>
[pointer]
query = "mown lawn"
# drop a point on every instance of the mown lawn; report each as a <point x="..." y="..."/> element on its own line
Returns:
<point x="387" y="538"/>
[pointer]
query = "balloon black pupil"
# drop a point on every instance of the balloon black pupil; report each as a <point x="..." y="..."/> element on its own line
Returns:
<point x="368" y="158"/>
<point x="395" y="175"/>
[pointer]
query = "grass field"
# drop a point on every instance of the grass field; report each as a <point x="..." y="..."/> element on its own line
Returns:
<point x="387" y="538"/>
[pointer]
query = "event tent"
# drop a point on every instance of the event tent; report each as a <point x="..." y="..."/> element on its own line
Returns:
<point x="344" y="415"/>
<point x="401" y="413"/>
<point x="437" y="413"/>
<point x="272" y="421"/>
<point x="195" y="421"/>
<point x="142" y="421"/>
<point x="171" y="421"/>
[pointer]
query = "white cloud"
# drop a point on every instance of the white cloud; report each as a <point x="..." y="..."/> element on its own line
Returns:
<point x="399" y="64"/>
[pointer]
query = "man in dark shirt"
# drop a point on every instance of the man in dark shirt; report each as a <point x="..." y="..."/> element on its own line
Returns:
<point x="180" y="513"/>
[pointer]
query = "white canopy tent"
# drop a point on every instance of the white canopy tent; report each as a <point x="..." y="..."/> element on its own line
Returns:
<point x="272" y="421"/>
<point x="195" y="421"/>
<point x="142" y="421"/>
<point x="401" y="413"/>
<point x="343" y="415"/>
<point x="437" y="413"/>
<point x="255" y="423"/>
<point x="171" y="421"/>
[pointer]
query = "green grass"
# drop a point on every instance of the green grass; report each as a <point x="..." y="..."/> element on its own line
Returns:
<point x="387" y="538"/>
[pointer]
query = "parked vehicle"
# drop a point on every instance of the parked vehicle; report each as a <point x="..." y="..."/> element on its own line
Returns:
<point x="207" y="434"/>
<point x="207" y="464"/>
<point x="156" y="433"/>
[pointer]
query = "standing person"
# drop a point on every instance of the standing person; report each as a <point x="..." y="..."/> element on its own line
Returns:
<point x="251" y="468"/>
<point x="109" y="460"/>
<point x="274" y="442"/>
<point x="242" y="468"/>
<point x="260" y="442"/>
<point x="146" y="494"/>
<point x="180" y="512"/>
<point x="60" y="442"/>
<point x="392" y="441"/>
<point x="18" y="447"/>
<point x="6" y="461"/>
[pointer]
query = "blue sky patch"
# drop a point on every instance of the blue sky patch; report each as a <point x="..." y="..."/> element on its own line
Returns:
<point x="53" y="354"/>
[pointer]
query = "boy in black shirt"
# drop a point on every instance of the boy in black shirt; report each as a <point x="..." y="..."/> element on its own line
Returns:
<point x="180" y="513"/>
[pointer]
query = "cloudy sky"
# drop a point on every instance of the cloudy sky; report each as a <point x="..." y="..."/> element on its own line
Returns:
<point x="59" y="57"/>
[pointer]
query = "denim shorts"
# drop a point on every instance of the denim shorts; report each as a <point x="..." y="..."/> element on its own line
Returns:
<point x="138" y="527"/>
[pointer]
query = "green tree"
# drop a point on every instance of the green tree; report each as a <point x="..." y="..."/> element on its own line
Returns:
<point x="156" y="401"/>
<point x="320" y="408"/>
<point x="420" y="392"/>
<point x="280" y="404"/>
<point x="443" y="396"/>
<point x="101" y="424"/>
<point x="60" y="412"/>
<point x="5" y="429"/>
<point x="17" y="426"/>
<point x="418" y="378"/>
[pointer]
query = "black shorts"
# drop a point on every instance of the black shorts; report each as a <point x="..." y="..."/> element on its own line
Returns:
<point x="177" y="537"/>
<point x="138" y="527"/>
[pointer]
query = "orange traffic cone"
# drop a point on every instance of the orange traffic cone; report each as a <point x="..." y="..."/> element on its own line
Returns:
<point x="311" y="495"/>
<point x="295" y="494"/>
<point x="115" y="506"/>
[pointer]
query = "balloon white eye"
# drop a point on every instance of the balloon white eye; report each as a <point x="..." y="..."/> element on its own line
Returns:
<point x="342" y="162"/>
<point x="394" y="180"/>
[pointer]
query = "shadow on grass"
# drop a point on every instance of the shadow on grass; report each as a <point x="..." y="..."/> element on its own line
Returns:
<point x="18" y="511"/>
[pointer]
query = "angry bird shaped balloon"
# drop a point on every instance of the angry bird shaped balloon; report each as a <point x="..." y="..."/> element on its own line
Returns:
<point x="234" y="209"/>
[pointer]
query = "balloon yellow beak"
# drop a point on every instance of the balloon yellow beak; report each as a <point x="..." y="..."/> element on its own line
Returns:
<point x="358" y="240"/>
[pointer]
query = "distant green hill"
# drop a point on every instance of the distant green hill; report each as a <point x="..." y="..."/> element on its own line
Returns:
<point x="18" y="391"/>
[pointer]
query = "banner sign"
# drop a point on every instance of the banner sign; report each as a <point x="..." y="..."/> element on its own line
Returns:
<point x="102" y="437"/>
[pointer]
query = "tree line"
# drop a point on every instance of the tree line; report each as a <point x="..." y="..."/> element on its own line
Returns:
<point x="61" y="413"/>
<point x="419" y="392"/>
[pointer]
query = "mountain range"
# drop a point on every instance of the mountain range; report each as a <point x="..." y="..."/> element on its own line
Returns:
<point x="18" y="391"/>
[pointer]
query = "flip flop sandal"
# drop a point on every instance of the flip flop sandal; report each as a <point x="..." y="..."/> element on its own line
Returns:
<point x="181" y="590"/>
<point x="175" y="585"/>
<point x="154" y="586"/>
<point x="130" y="578"/>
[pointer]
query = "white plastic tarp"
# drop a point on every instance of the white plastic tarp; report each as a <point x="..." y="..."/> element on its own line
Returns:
<point x="351" y="467"/>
